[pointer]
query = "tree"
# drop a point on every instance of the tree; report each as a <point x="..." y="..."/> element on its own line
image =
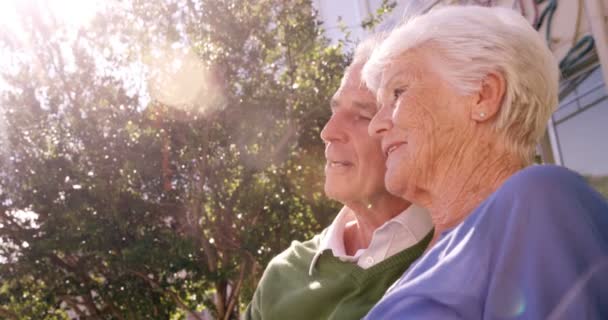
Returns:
<point x="127" y="201"/>
<point x="600" y="183"/>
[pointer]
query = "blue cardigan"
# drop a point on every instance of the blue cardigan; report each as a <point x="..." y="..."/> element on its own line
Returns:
<point x="537" y="248"/>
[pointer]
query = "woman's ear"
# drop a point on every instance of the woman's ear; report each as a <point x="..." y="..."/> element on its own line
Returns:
<point x="490" y="96"/>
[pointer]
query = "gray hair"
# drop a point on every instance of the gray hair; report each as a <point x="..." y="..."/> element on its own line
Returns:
<point x="366" y="47"/>
<point x="473" y="42"/>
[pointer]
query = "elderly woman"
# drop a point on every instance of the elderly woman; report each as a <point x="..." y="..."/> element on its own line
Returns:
<point x="465" y="93"/>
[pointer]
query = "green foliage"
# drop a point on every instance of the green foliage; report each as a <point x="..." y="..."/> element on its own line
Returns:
<point x="385" y="8"/>
<point x="114" y="206"/>
<point x="600" y="183"/>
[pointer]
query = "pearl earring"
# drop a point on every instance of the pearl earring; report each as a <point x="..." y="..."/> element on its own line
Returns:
<point x="482" y="114"/>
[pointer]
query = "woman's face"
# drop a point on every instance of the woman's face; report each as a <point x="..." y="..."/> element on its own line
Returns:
<point x="424" y="123"/>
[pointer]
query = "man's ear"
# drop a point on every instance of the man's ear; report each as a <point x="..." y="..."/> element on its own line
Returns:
<point x="489" y="98"/>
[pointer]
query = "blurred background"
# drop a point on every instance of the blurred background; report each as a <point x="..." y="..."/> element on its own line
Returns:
<point x="154" y="155"/>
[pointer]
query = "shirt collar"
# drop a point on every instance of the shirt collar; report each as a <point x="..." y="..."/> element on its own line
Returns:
<point x="335" y="232"/>
<point x="414" y="220"/>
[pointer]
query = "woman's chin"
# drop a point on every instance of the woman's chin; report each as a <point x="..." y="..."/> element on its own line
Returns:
<point x="395" y="185"/>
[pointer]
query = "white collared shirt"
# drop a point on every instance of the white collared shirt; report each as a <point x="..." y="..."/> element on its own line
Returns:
<point x="394" y="236"/>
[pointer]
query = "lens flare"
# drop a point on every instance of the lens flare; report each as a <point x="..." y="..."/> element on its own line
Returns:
<point x="179" y="79"/>
<point x="314" y="285"/>
<point x="512" y="301"/>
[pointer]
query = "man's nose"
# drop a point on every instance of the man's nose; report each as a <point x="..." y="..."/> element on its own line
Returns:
<point x="334" y="130"/>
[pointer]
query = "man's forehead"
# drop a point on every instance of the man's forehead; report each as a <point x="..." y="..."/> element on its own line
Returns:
<point x="351" y="78"/>
<point x="361" y="102"/>
<point x="353" y="92"/>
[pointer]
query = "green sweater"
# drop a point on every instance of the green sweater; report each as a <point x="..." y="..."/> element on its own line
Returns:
<point x="336" y="289"/>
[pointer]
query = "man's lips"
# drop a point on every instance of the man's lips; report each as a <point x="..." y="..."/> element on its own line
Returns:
<point x="338" y="164"/>
<point x="390" y="147"/>
<point x="336" y="159"/>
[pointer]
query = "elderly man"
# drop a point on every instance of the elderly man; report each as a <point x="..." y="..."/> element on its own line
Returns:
<point x="342" y="272"/>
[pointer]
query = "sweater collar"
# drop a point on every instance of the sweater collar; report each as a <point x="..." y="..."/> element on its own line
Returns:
<point x="395" y="235"/>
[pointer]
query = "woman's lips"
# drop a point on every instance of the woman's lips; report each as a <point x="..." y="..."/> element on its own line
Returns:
<point x="389" y="148"/>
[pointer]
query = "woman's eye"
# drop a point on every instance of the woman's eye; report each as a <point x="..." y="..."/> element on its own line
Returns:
<point x="397" y="93"/>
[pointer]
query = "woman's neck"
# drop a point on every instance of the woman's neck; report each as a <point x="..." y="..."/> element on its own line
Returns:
<point x="467" y="182"/>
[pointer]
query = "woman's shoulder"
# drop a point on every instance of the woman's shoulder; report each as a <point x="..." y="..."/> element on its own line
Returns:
<point x="542" y="182"/>
<point x="546" y="176"/>
<point x="544" y="193"/>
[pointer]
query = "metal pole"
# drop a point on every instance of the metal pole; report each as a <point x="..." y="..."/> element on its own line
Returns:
<point x="594" y="11"/>
<point x="551" y="149"/>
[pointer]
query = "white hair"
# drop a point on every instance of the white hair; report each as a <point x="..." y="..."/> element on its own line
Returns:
<point x="473" y="41"/>
<point x="366" y="47"/>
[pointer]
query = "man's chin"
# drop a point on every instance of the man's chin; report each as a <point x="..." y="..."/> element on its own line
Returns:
<point x="335" y="192"/>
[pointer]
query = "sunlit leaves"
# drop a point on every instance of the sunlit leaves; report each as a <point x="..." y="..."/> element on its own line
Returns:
<point x="145" y="206"/>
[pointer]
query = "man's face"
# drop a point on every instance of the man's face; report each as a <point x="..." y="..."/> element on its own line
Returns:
<point x="355" y="165"/>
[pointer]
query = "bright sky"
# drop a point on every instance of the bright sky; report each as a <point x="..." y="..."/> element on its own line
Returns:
<point x="174" y="74"/>
<point x="25" y="218"/>
<point x="74" y="13"/>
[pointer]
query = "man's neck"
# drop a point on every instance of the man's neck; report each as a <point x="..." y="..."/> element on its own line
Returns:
<point x="369" y="217"/>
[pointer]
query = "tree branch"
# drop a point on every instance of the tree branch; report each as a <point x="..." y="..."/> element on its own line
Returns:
<point x="235" y="292"/>
<point x="154" y="285"/>
<point x="5" y="313"/>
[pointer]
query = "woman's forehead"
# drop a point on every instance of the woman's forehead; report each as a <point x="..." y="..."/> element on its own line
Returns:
<point x="408" y="67"/>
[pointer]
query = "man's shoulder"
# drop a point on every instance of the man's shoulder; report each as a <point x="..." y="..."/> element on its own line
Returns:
<point x="285" y="271"/>
<point x="299" y="254"/>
